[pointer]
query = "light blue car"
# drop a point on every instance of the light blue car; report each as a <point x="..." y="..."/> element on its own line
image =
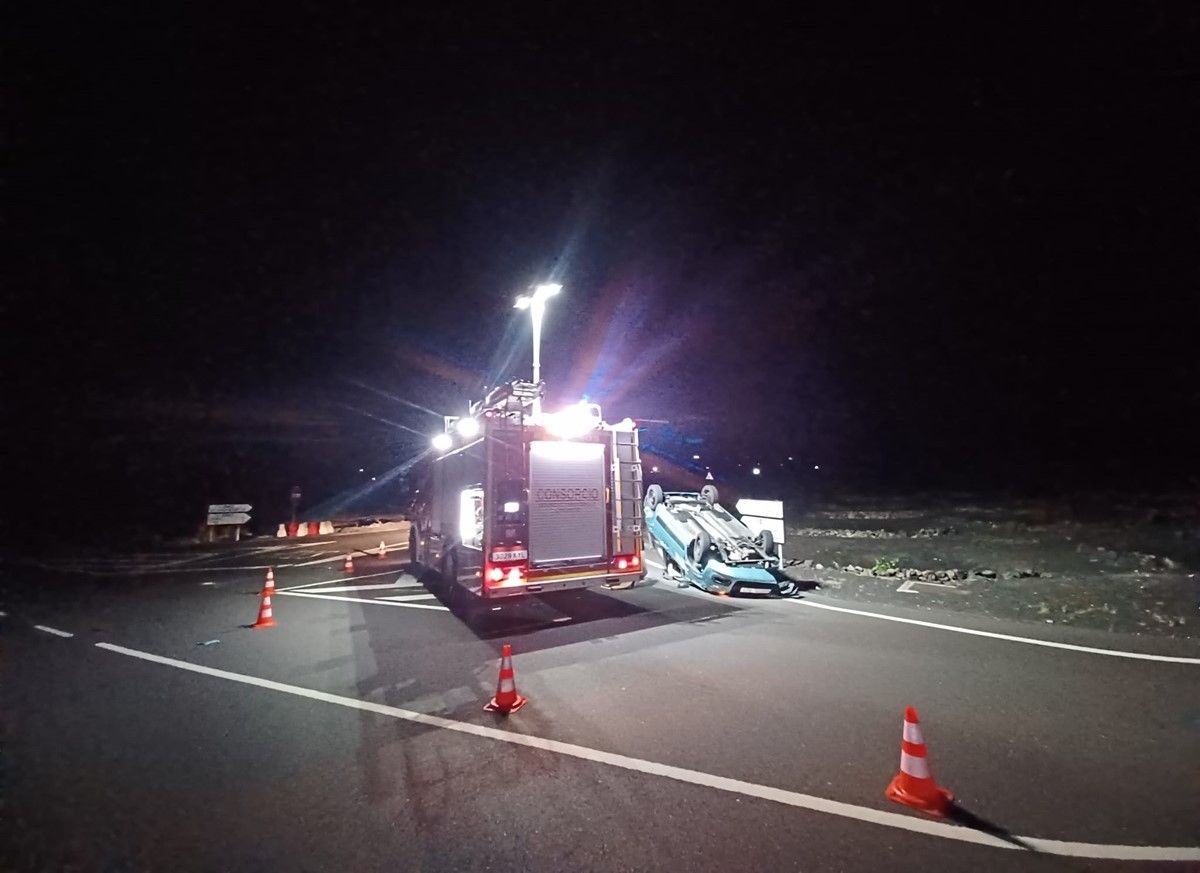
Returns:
<point x="704" y="545"/>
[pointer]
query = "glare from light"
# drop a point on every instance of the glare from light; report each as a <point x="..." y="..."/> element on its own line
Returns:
<point x="790" y="458"/>
<point x="756" y="471"/>
<point x="361" y="470"/>
<point x="541" y="294"/>
<point x="574" y="421"/>
<point x="512" y="506"/>
<point x="695" y="457"/>
<point x="816" y="466"/>
<point x="443" y="442"/>
<point x="467" y="428"/>
<point x="654" y="469"/>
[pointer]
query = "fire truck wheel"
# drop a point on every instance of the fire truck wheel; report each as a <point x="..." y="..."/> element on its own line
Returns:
<point x="414" y="538"/>
<point x="654" y="496"/>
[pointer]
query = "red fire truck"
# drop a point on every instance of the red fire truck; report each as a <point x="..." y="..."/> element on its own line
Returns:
<point x="516" y="503"/>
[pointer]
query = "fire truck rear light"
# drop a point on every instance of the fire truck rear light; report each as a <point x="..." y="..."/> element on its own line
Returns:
<point x="626" y="562"/>
<point x="622" y="563"/>
<point x="514" y="576"/>
<point x="496" y="574"/>
<point x="634" y="561"/>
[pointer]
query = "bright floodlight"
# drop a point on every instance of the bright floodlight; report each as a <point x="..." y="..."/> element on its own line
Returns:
<point x="574" y="421"/>
<point x="467" y="428"/>
<point x="442" y="442"/>
<point x="756" y="471"/>
<point x="536" y="304"/>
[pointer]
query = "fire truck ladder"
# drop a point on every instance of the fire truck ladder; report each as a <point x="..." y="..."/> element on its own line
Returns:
<point x="627" y="492"/>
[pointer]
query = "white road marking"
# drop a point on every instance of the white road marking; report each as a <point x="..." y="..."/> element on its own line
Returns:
<point x="402" y="598"/>
<point x="1071" y="647"/>
<point x="52" y="630"/>
<point x="380" y="586"/>
<point x="907" y="587"/>
<point x="315" y="596"/>
<point x="343" y="580"/>
<point x="341" y="556"/>
<point x="695" y="777"/>
<point x="307" y="544"/>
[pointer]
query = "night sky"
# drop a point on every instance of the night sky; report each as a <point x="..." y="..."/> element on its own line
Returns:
<point x="923" y="249"/>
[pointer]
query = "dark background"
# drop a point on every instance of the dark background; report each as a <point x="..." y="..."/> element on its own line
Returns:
<point x="921" y="249"/>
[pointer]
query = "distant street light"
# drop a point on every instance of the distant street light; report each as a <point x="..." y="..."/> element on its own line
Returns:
<point x="756" y="471"/>
<point x="443" y="442"/>
<point x="536" y="304"/>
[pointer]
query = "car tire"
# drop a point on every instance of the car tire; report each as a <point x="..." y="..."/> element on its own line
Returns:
<point x="708" y="495"/>
<point x="766" y="540"/>
<point x="700" y="546"/>
<point x="654" y="496"/>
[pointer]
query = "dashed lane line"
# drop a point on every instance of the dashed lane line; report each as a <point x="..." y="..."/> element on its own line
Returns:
<point x="314" y="596"/>
<point x="342" y="580"/>
<point x="894" y="820"/>
<point x="1031" y="641"/>
<point x="52" y="630"/>
<point x="391" y="547"/>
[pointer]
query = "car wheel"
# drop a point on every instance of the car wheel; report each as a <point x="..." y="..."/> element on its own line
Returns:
<point x="700" y="546"/>
<point x="654" y="496"/>
<point x="766" y="540"/>
<point x="708" y="495"/>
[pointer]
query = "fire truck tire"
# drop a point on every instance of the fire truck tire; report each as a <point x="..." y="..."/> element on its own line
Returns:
<point x="414" y="540"/>
<point x="654" y="496"/>
<point x="700" y="546"/>
<point x="708" y="494"/>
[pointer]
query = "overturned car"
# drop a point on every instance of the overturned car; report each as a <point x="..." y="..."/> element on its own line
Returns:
<point x="704" y="545"/>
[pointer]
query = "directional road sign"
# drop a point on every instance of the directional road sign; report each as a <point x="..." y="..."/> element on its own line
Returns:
<point x="217" y="518"/>
<point x="218" y="508"/>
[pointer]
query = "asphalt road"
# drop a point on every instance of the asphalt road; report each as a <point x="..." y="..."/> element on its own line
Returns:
<point x="666" y="729"/>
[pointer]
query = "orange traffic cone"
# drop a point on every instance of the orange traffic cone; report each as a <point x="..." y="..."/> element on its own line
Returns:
<point x="265" y="616"/>
<point x="349" y="565"/>
<point x="507" y="699"/>
<point x="914" y="785"/>
<point x="270" y="586"/>
<point x="382" y="549"/>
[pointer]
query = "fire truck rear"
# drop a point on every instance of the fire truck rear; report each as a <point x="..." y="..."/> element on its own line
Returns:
<point x="517" y="503"/>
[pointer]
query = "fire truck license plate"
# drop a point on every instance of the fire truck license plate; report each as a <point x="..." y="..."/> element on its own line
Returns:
<point x="515" y="555"/>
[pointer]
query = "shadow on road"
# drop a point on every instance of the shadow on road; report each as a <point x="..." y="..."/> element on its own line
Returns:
<point x="962" y="816"/>
<point x="564" y="618"/>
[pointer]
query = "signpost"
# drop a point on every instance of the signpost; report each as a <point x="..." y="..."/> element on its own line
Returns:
<point x="228" y="514"/>
<point x="764" y="514"/>
<point x="295" y="501"/>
